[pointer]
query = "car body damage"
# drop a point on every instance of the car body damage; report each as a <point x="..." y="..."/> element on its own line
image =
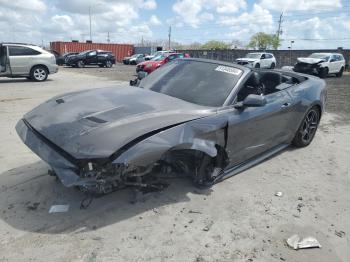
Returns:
<point x="321" y="64"/>
<point x="175" y="122"/>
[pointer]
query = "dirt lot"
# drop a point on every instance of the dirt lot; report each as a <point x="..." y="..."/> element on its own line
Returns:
<point x="239" y="219"/>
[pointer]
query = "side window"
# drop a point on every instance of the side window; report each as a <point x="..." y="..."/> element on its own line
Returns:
<point x="172" y="57"/>
<point x="22" y="51"/>
<point x="93" y="53"/>
<point x="180" y="56"/>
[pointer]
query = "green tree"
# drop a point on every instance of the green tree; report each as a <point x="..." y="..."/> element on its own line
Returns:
<point x="263" y="41"/>
<point x="213" y="44"/>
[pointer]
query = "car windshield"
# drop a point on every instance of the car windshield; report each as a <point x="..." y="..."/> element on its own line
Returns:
<point x="319" y="56"/>
<point x="158" y="58"/>
<point x="201" y="83"/>
<point x="253" y="55"/>
<point x="135" y="56"/>
<point x="85" y="52"/>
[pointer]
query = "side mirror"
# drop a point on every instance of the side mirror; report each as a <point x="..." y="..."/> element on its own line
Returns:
<point x="251" y="101"/>
<point x="141" y="75"/>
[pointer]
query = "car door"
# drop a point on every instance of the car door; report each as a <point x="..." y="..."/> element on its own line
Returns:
<point x="20" y="60"/>
<point x="254" y="130"/>
<point x="4" y="67"/>
<point x="333" y="64"/>
<point x="91" y="58"/>
<point x="263" y="61"/>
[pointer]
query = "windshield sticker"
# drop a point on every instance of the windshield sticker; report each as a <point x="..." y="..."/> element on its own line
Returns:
<point x="229" y="70"/>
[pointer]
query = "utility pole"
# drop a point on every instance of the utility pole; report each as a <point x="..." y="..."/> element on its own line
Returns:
<point x="169" y="35"/>
<point x="279" y="31"/>
<point x="90" y="21"/>
<point x="108" y="39"/>
<point x="142" y="41"/>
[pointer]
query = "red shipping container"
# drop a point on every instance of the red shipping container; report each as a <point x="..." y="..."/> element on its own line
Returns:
<point x="119" y="50"/>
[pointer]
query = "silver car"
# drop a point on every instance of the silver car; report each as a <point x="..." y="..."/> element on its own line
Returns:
<point x="23" y="60"/>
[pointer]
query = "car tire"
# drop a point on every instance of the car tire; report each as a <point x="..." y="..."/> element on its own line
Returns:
<point x="108" y="64"/>
<point x="323" y="72"/>
<point x="101" y="65"/>
<point x="39" y="73"/>
<point x="273" y="65"/>
<point x="80" y="64"/>
<point x="340" y="73"/>
<point x="257" y="65"/>
<point x="307" y="130"/>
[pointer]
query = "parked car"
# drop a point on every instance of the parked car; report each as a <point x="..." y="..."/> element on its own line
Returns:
<point x="158" y="61"/>
<point x="24" y="60"/>
<point x="321" y="64"/>
<point x="134" y="59"/>
<point x="258" y="60"/>
<point x="150" y="57"/>
<point x="61" y="60"/>
<point x="203" y="119"/>
<point x="92" y="57"/>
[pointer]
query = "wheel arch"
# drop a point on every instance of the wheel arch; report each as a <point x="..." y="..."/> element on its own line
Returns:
<point x="46" y="68"/>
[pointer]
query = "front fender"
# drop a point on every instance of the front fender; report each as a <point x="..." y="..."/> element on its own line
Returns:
<point x="195" y="135"/>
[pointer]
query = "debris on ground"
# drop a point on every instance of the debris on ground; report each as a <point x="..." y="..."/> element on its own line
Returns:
<point x="300" y="205"/>
<point x="33" y="206"/>
<point x="208" y="226"/>
<point x="296" y="242"/>
<point x="194" y="212"/>
<point x="278" y="194"/>
<point x="58" y="209"/>
<point x="339" y="233"/>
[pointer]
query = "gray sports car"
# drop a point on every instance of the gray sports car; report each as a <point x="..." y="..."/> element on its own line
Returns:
<point x="206" y="120"/>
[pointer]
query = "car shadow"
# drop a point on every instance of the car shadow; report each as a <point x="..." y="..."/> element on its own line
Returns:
<point x="27" y="193"/>
<point x="20" y="80"/>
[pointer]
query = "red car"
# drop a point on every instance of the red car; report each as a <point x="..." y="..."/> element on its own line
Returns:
<point x="151" y="65"/>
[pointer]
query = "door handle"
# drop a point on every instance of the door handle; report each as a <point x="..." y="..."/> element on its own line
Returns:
<point x="287" y="104"/>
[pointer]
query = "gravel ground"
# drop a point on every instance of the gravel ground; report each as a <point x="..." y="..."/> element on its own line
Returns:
<point x="239" y="219"/>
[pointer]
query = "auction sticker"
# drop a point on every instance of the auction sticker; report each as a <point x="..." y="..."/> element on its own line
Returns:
<point x="229" y="70"/>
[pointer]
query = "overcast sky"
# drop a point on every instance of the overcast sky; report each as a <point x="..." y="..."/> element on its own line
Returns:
<point x="37" y="21"/>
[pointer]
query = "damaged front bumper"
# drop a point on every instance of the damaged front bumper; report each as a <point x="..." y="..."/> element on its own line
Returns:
<point x="66" y="170"/>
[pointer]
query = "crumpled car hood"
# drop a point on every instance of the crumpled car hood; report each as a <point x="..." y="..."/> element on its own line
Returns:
<point x="247" y="59"/>
<point x="96" y="123"/>
<point x="310" y="60"/>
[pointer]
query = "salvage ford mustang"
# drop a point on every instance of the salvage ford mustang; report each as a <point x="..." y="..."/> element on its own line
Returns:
<point x="206" y="120"/>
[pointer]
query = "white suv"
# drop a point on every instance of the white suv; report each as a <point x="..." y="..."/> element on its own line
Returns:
<point x="258" y="60"/>
<point x="321" y="64"/>
<point x="23" y="60"/>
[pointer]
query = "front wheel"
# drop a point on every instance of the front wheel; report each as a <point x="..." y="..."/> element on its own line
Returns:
<point x="257" y="65"/>
<point x="81" y="64"/>
<point x="39" y="73"/>
<point x="307" y="129"/>
<point x="323" y="72"/>
<point x="340" y="73"/>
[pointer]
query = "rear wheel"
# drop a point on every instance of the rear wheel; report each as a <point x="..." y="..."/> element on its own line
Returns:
<point x="323" y="72"/>
<point x="340" y="73"/>
<point x="108" y="64"/>
<point x="307" y="129"/>
<point x="39" y="73"/>
<point x="273" y="65"/>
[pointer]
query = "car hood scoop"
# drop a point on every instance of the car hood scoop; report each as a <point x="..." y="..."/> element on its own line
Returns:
<point x="95" y="123"/>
